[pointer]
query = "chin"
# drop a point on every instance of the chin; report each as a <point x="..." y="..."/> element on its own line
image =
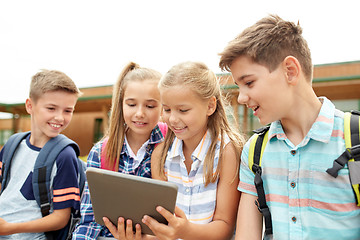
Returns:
<point x="264" y="121"/>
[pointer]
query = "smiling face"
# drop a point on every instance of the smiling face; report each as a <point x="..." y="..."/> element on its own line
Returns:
<point x="265" y="92"/>
<point x="50" y="115"/>
<point x="185" y="113"/>
<point x="141" y="106"/>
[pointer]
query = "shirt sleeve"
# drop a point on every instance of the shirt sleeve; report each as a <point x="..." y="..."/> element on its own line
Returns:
<point x="246" y="183"/>
<point x="87" y="228"/>
<point x="66" y="191"/>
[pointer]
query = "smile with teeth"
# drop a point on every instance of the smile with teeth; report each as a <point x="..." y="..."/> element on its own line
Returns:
<point x="255" y="108"/>
<point x="178" y="128"/>
<point x="55" y="125"/>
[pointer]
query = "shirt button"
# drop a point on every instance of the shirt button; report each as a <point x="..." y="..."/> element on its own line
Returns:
<point x="187" y="189"/>
<point x="293" y="219"/>
<point x="293" y="184"/>
<point x="293" y="152"/>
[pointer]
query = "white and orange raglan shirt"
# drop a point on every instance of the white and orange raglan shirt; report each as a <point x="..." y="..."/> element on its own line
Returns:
<point x="17" y="202"/>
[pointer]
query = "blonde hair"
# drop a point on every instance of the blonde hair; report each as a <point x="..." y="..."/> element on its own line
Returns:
<point x="203" y="82"/>
<point x="116" y="132"/>
<point x="268" y="42"/>
<point x="51" y="80"/>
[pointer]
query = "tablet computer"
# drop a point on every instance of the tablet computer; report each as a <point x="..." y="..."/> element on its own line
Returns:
<point x="115" y="195"/>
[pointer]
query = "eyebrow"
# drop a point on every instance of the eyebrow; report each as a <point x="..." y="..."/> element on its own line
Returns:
<point x="176" y="106"/>
<point x="56" y="106"/>
<point x="244" y="76"/>
<point x="147" y="100"/>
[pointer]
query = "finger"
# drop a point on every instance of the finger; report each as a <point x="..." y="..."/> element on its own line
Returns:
<point x="129" y="229"/>
<point x="179" y="213"/>
<point x="121" y="228"/>
<point x="137" y="232"/>
<point x="111" y="227"/>
<point x="166" y="214"/>
<point x="154" y="225"/>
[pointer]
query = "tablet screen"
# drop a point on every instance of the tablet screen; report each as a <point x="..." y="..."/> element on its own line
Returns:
<point x="115" y="195"/>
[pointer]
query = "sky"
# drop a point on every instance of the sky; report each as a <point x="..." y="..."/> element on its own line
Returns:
<point x="91" y="41"/>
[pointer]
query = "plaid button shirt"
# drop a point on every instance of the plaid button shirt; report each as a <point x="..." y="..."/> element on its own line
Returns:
<point x="87" y="228"/>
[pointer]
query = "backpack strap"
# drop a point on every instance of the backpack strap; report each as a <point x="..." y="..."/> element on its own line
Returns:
<point x="9" y="151"/>
<point x="163" y="128"/>
<point x="43" y="168"/>
<point x="103" y="159"/>
<point x="257" y="146"/>
<point x="351" y="155"/>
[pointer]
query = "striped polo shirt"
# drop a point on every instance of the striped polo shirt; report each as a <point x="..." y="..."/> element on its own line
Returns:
<point x="306" y="202"/>
<point x="197" y="201"/>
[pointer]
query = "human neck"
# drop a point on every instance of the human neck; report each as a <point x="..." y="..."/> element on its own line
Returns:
<point x="136" y="141"/>
<point x="299" y="121"/>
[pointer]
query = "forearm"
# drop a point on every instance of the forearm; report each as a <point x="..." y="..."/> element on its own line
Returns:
<point x="248" y="218"/>
<point x="215" y="230"/>
<point x="148" y="237"/>
<point x="55" y="221"/>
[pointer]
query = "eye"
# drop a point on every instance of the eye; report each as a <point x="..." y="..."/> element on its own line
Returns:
<point x="249" y="83"/>
<point x="150" y="106"/>
<point x="131" y="104"/>
<point x="166" y="109"/>
<point x="50" y="108"/>
<point x="184" y="110"/>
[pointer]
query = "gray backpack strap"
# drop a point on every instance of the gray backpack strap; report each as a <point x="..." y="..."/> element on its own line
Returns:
<point x="9" y="151"/>
<point x="42" y="174"/>
<point x="43" y="168"/>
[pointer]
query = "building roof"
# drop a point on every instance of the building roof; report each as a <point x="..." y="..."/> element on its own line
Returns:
<point x="337" y="81"/>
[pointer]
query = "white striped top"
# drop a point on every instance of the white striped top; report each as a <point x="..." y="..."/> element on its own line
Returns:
<point x="197" y="201"/>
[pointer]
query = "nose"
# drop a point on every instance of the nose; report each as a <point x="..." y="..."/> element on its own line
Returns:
<point x="59" y="116"/>
<point x="242" y="98"/>
<point x="139" y="112"/>
<point x="173" y="118"/>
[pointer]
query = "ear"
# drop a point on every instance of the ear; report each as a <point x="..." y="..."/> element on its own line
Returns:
<point x="211" y="106"/>
<point x="29" y="106"/>
<point x="292" y="69"/>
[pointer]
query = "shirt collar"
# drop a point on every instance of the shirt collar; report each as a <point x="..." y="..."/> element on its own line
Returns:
<point x="156" y="136"/>
<point x="141" y="152"/>
<point x="321" y="129"/>
<point x="199" y="152"/>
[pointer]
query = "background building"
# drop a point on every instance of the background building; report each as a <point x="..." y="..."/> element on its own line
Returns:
<point x="340" y="82"/>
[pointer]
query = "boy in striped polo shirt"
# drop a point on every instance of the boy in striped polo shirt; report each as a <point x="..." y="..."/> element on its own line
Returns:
<point x="271" y="63"/>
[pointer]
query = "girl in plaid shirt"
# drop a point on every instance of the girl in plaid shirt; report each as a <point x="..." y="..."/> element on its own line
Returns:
<point x="201" y="154"/>
<point x="132" y="135"/>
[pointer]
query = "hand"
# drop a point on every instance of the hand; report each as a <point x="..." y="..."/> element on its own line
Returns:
<point x="4" y="227"/>
<point x="122" y="232"/>
<point x="176" y="228"/>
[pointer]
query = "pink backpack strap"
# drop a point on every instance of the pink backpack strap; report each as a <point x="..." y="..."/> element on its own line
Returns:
<point x="163" y="128"/>
<point x="103" y="160"/>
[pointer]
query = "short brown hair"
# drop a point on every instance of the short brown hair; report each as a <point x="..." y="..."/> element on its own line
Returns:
<point x="51" y="80"/>
<point x="268" y="42"/>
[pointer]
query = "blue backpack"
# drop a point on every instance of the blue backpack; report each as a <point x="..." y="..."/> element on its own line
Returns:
<point x="41" y="176"/>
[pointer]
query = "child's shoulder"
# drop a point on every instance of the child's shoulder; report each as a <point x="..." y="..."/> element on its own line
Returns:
<point x="67" y="153"/>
